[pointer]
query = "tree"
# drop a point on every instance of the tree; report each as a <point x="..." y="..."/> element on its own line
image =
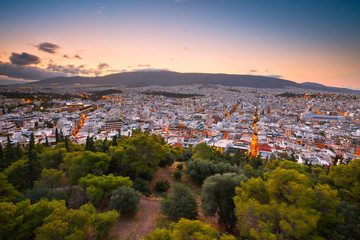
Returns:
<point x="125" y="200"/>
<point x="105" y="147"/>
<point x="187" y="229"/>
<point x="65" y="223"/>
<point x="284" y="206"/>
<point x="198" y="170"/>
<point x="51" y="178"/>
<point x="217" y="195"/>
<point x="9" y="153"/>
<point x="88" y="163"/>
<point x="17" y="173"/>
<point x="101" y="222"/>
<point x="181" y="204"/>
<point x="203" y="151"/>
<point x="114" y="141"/>
<point x="67" y="144"/>
<point x="33" y="164"/>
<point x="347" y="179"/>
<point x="57" y="137"/>
<point x="7" y="191"/>
<point x="46" y="141"/>
<point x="100" y="187"/>
<point x="142" y="186"/>
<point x="3" y="163"/>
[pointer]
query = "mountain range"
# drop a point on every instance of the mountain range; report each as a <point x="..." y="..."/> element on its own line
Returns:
<point x="168" y="78"/>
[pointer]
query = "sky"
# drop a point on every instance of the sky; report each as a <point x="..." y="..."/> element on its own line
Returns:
<point x="299" y="40"/>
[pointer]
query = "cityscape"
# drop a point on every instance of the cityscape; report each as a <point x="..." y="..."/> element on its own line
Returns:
<point x="179" y="119"/>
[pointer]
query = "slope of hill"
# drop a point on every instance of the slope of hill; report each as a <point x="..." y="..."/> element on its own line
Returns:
<point x="167" y="78"/>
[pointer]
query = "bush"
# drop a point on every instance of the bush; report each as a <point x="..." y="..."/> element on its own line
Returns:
<point x="162" y="185"/>
<point x="142" y="186"/>
<point x="125" y="200"/>
<point x="181" y="204"/>
<point x="177" y="175"/>
<point x="180" y="166"/>
<point x="170" y="159"/>
<point x="148" y="175"/>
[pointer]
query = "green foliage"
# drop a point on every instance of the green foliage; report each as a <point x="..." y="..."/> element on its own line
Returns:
<point x="142" y="186"/>
<point x="177" y="174"/>
<point x="125" y="200"/>
<point x="198" y="170"/>
<point x="292" y="165"/>
<point x="187" y="229"/>
<point x="138" y="156"/>
<point x="101" y="222"/>
<point x="285" y="206"/>
<point x="16" y="173"/>
<point x="100" y="187"/>
<point x="88" y="163"/>
<point x="180" y="166"/>
<point x="181" y="204"/>
<point x="347" y="179"/>
<point x="65" y="223"/>
<point x="203" y="151"/>
<point x="51" y="178"/>
<point x="217" y="194"/>
<point x="20" y="221"/>
<point x="162" y="185"/>
<point x="350" y="226"/>
<point x="36" y="193"/>
<point x="7" y="192"/>
<point x="52" y="158"/>
<point x="33" y="165"/>
<point x="169" y="160"/>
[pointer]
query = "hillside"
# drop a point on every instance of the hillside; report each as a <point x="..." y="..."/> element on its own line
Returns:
<point x="167" y="78"/>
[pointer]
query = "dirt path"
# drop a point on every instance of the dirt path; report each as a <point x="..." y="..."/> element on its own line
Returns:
<point x="135" y="228"/>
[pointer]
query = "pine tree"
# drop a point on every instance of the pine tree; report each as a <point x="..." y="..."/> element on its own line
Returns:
<point x="67" y="144"/>
<point x="33" y="164"/>
<point x="46" y="141"/>
<point x="18" y="152"/>
<point x="114" y="141"/>
<point x="104" y="146"/>
<point x="57" y="136"/>
<point x="2" y="160"/>
<point x="9" y="155"/>
<point x="61" y="137"/>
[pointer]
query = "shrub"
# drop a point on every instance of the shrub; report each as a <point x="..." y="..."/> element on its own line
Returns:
<point x="125" y="200"/>
<point x="142" y="186"/>
<point x="180" y="166"/>
<point x="162" y="185"/>
<point x="177" y="175"/>
<point x="181" y="204"/>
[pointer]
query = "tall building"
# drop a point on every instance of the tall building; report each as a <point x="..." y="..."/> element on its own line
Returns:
<point x="254" y="148"/>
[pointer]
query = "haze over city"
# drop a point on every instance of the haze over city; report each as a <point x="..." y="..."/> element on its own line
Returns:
<point x="302" y="41"/>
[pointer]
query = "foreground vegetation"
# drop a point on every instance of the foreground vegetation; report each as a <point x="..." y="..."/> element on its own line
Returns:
<point x="78" y="191"/>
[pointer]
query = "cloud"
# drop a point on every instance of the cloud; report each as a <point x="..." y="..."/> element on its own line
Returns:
<point x="26" y="72"/>
<point x="144" y="65"/>
<point x="65" y="56"/>
<point x="100" y="10"/>
<point x="24" y="59"/>
<point x="72" y="69"/>
<point x="180" y="1"/>
<point x="253" y="71"/>
<point x="77" y="56"/>
<point x="103" y="65"/>
<point x="48" y="47"/>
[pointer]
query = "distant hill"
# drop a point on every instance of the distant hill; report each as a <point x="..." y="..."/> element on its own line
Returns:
<point x="167" y="78"/>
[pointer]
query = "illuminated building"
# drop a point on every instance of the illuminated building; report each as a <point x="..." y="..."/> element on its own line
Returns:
<point x="254" y="148"/>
